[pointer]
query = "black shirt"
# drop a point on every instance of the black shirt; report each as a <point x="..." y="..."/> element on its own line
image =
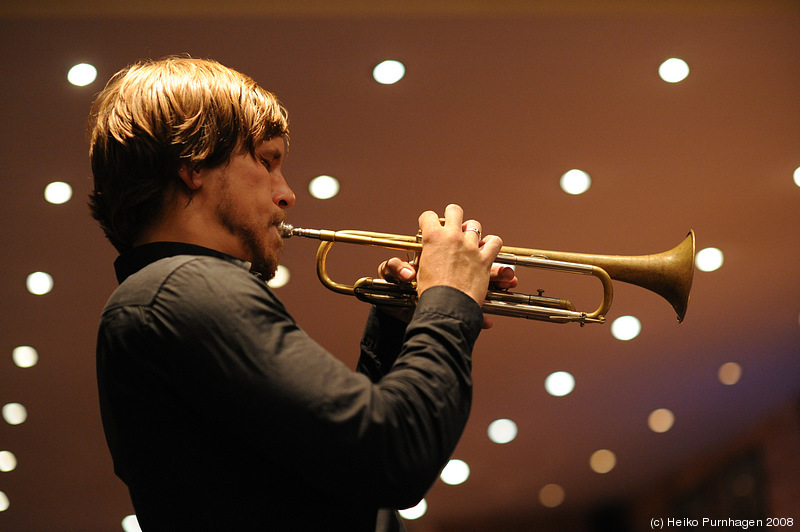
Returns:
<point x="222" y="414"/>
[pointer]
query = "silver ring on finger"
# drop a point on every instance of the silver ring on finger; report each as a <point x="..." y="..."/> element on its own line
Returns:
<point x="476" y="230"/>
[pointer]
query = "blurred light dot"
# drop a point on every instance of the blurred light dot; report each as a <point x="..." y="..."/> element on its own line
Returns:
<point x="575" y="182"/>
<point x="673" y="70"/>
<point x="626" y="328"/>
<point x="14" y="413"/>
<point x="730" y="373"/>
<point x="131" y="524"/>
<point x="415" y="512"/>
<point x="502" y="430"/>
<point x="455" y="472"/>
<point x="39" y="283"/>
<point x="281" y="277"/>
<point x="25" y="356"/>
<point x="797" y="177"/>
<point x="323" y="187"/>
<point x="559" y="383"/>
<point x="602" y="461"/>
<point x="8" y="462"/>
<point x="709" y="259"/>
<point x="551" y="495"/>
<point x="389" y="72"/>
<point x="4" y="503"/>
<point x="82" y="74"/>
<point x="58" y="192"/>
<point x="661" y="420"/>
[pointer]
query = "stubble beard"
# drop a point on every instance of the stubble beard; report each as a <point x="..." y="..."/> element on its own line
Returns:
<point x="255" y="238"/>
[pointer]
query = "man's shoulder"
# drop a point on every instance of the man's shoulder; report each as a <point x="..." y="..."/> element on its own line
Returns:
<point x="184" y="277"/>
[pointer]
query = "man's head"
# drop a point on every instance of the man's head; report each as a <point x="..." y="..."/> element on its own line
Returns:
<point x="155" y="118"/>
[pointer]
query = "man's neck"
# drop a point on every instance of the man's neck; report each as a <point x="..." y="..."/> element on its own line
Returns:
<point x="183" y="222"/>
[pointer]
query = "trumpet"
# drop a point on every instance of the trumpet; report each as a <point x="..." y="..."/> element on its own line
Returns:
<point x="668" y="274"/>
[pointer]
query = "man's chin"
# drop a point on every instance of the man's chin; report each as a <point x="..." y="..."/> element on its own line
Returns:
<point x="265" y="269"/>
<point x="268" y="258"/>
<point x="267" y="265"/>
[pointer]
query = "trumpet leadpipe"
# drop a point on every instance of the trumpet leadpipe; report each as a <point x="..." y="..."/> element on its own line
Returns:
<point x="365" y="238"/>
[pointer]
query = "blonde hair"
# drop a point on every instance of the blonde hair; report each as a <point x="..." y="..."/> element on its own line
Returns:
<point x="155" y="116"/>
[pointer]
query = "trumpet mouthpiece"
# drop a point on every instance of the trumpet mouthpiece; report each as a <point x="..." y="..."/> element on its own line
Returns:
<point x="285" y="230"/>
<point x="288" y="231"/>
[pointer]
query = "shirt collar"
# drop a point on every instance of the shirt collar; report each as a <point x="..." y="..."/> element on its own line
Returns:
<point x="137" y="258"/>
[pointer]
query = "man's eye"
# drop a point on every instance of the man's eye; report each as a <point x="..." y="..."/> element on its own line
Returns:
<point x="266" y="163"/>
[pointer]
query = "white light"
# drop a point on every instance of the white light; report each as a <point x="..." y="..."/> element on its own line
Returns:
<point x="626" y="328"/>
<point x="131" y="524"/>
<point x="8" y="462"/>
<point x="415" y="512"/>
<point x="602" y="461"/>
<point x="389" y="72"/>
<point x="502" y="431"/>
<point x="82" y="74"/>
<point x="673" y="70"/>
<point x="559" y="383"/>
<point x="39" y="283"/>
<point x="660" y="420"/>
<point x="281" y="277"/>
<point x="797" y="177"/>
<point x="14" y="413"/>
<point x="551" y="495"/>
<point x="58" y="192"/>
<point x="324" y="187"/>
<point x="709" y="259"/>
<point x="575" y="182"/>
<point x="455" y="472"/>
<point x="3" y="502"/>
<point x="25" y="356"/>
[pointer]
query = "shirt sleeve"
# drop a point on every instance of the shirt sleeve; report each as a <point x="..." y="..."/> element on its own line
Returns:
<point x="227" y="349"/>
<point x="381" y="344"/>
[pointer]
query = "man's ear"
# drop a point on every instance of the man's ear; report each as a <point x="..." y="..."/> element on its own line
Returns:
<point x="191" y="177"/>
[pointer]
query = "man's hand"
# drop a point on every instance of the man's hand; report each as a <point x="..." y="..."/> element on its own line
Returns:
<point x="454" y="254"/>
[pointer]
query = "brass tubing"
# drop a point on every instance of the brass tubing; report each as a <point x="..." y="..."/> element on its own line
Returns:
<point x="668" y="274"/>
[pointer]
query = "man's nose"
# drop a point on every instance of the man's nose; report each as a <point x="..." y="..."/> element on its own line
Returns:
<point x="282" y="194"/>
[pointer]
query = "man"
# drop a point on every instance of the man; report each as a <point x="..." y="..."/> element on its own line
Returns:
<point x="220" y="413"/>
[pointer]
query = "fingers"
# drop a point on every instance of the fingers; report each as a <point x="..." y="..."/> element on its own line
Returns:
<point x="453" y="216"/>
<point x="396" y="270"/>
<point x="453" y="220"/>
<point x="503" y="277"/>
<point x="490" y="246"/>
<point x="502" y="272"/>
<point x="472" y="227"/>
<point x="429" y="222"/>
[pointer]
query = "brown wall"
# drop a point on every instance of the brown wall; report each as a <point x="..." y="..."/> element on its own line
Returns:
<point x="754" y="476"/>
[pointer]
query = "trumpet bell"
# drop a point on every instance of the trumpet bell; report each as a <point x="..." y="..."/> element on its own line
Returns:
<point x="668" y="274"/>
